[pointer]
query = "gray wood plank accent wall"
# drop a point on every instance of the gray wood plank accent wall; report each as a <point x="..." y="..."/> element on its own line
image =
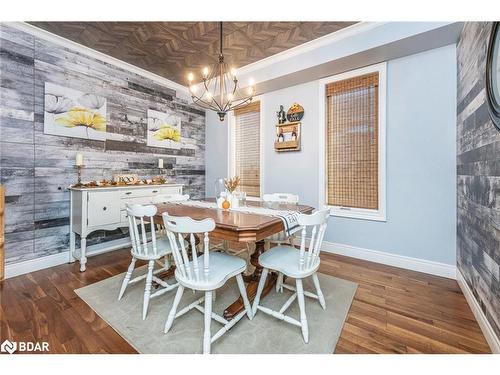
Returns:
<point x="478" y="175"/>
<point x="37" y="168"/>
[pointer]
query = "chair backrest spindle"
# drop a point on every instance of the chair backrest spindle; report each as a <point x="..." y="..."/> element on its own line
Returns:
<point x="181" y="230"/>
<point x="136" y="214"/>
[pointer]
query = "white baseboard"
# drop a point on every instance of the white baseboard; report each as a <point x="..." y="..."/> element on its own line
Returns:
<point x="401" y="261"/>
<point x="484" y="324"/>
<point x="32" y="265"/>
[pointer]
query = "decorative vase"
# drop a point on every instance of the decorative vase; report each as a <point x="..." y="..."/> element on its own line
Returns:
<point x="219" y="187"/>
<point x="235" y="201"/>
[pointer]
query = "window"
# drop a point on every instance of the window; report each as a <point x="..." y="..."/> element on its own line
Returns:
<point x="245" y="148"/>
<point x="354" y="142"/>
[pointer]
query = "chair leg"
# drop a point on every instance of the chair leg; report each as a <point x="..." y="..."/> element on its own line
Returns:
<point x="279" y="283"/>
<point x="260" y="288"/>
<point x="302" y="306"/>
<point x="127" y="278"/>
<point x="147" y="289"/>
<point x="166" y="263"/>
<point x="243" y="292"/>
<point x="207" y="338"/>
<point x="173" y="310"/>
<point x="321" y="298"/>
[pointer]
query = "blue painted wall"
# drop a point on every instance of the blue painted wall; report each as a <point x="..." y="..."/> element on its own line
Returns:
<point x="421" y="159"/>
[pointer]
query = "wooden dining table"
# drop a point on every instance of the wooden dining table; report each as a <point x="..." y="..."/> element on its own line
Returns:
<point x="240" y="227"/>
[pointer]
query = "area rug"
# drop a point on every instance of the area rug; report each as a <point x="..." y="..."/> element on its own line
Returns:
<point x="264" y="334"/>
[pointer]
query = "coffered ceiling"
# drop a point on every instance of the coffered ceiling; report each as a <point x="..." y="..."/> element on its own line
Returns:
<point x="172" y="49"/>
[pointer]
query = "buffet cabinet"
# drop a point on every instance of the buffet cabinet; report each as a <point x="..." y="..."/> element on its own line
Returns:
<point x="104" y="208"/>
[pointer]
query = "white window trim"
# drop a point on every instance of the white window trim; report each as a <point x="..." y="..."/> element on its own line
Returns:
<point x="231" y="168"/>
<point x="348" y="212"/>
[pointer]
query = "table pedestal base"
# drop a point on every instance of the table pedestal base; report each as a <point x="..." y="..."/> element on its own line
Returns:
<point x="253" y="282"/>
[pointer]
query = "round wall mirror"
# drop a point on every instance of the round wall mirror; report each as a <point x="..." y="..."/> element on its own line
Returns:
<point x="493" y="75"/>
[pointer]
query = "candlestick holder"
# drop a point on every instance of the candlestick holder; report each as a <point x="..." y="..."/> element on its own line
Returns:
<point x="79" y="175"/>
<point x="160" y="179"/>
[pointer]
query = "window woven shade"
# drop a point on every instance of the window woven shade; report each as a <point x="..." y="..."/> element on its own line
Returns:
<point x="247" y="148"/>
<point x="352" y="142"/>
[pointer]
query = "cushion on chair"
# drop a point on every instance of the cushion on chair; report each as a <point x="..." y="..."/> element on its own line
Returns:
<point x="222" y="267"/>
<point x="162" y="248"/>
<point x="285" y="259"/>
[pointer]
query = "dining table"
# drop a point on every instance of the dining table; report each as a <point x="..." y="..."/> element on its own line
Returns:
<point x="237" y="226"/>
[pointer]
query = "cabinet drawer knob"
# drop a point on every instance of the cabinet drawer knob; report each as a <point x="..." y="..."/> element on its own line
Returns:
<point x="104" y="208"/>
<point x="155" y="191"/>
<point x="128" y="192"/>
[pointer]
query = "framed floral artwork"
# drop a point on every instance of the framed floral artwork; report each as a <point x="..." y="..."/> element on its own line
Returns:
<point x="164" y="130"/>
<point x="72" y="113"/>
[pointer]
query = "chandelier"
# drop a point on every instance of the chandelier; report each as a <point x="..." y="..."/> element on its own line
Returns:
<point x="219" y="90"/>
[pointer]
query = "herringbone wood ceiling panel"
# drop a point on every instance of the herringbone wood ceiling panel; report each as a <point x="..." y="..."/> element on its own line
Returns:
<point x="172" y="49"/>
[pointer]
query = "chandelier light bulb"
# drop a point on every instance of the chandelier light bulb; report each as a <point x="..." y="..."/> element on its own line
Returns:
<point x="190" y="77"/>
<point x="234" y="72"/>
<point x="205" y="72"/>
<point x="250" y="90"/>
<point x="230" y="97"/>
<point x="192" y="88"/>
<point x="251" y="82"/>
<point x="208" y="95"/>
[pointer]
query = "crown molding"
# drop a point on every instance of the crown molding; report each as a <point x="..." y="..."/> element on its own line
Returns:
<point x="349" y="31"/>
<point x="63" y="42"/>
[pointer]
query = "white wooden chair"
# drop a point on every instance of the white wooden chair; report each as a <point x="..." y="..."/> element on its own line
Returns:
<point x="281" y="198"/>
<point x="205" y="273"/>
<point x="166" y="198"/>
<point x="281" y="237"/>
<point x="297" y="264"/>
<point x="148" y="250"/>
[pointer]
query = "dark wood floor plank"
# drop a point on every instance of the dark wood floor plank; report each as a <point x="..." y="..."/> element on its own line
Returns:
<point x="394" y="310"/>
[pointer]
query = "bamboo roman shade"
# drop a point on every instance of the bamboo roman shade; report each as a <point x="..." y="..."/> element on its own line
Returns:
<point x="352" y="142"/>
<point x="247" y="148"/>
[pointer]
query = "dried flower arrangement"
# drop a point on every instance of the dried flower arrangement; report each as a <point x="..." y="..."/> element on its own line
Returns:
<point x="107" y="183"/>
<point x="231" y="184"/>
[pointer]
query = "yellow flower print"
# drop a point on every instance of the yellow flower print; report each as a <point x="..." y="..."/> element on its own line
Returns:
<point x="83" y="117"/>
<point x="167" y="132"/>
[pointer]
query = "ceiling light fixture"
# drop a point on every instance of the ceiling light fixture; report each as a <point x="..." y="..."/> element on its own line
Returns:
<point x="220" y="90"/>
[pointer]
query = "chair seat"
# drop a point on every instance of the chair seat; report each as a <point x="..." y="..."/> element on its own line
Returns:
<point x="162" y="248"/>
<point x="222" y="268"/>
<point x="285" y="259"/>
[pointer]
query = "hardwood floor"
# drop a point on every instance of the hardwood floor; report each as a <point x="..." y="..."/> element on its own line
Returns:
<point x="394" y="310"/>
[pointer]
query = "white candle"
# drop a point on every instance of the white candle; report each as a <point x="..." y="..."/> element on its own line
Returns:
<point x="160" y="163"/>
<point x="79" y="159"/>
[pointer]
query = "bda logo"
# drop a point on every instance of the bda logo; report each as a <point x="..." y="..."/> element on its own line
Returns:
<point x="8" y="346"/>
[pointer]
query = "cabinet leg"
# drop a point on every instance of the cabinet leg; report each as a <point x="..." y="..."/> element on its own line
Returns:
<point x="83" y="254"/>
<point x="71" y="246"/>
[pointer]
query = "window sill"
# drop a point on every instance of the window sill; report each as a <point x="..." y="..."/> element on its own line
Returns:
<point x="359" y="214"/>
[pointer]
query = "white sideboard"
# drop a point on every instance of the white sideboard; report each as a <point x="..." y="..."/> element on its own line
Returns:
<point x="104" y="208"/>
